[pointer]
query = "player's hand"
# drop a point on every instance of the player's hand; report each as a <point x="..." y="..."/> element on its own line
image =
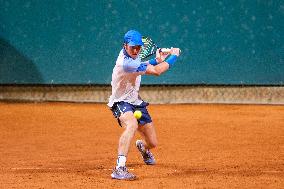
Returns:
<point x="161" y="56"/>
<point x="175" y="51"/>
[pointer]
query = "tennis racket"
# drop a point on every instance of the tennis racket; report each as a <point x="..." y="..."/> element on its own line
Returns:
<point x="150" y="48"/>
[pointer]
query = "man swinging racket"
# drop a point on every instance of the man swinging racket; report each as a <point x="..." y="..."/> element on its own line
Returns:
<point x="125" y="99"/>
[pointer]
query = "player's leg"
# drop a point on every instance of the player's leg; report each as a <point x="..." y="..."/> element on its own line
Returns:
<point x="124" y="113"/>
<point x="130" y="125"/>
<point x="148" y="132"/>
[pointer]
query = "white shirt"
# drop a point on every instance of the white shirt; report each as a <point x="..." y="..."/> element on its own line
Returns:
<point x="126" y="79"/>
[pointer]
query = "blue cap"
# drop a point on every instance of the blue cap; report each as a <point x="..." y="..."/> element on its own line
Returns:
<point x="133" y="38"/>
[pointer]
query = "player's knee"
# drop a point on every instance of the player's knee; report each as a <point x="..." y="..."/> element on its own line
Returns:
<point x="131" y="126"/>
<point x="129" y="122"/>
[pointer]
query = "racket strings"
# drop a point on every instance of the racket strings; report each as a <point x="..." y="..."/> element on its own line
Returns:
<point x="148" y="48"/>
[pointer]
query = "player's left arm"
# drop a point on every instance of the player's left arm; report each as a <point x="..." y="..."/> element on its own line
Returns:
<point x="160" y="64"/>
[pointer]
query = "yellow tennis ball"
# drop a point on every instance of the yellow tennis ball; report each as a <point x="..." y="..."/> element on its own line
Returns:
<point x="137" y="114"/>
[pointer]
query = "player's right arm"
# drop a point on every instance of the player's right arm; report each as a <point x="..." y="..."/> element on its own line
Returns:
<point x="159" y="68"/>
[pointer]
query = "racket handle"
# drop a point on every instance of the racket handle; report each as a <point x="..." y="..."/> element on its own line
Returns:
<point x="165" y="50"/>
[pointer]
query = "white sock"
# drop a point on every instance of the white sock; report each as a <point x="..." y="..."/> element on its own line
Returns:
<point x="121" y="160"/>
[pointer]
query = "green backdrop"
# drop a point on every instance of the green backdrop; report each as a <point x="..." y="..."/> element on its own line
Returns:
<point x="77" y="42"/>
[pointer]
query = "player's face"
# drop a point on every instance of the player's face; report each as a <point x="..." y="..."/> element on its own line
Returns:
<point x="133" y="51"/>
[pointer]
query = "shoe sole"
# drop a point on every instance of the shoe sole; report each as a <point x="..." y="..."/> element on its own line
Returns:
<point x="132" y="178"/>
<point x="150" y="163"/>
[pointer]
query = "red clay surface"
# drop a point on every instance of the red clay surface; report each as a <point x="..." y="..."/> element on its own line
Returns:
<point x="66" y="145"/>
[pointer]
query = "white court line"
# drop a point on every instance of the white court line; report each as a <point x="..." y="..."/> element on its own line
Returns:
<point x="36" y="168"/>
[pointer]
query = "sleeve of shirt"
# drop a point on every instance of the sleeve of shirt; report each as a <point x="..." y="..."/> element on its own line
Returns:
<point x="132" y="66"/>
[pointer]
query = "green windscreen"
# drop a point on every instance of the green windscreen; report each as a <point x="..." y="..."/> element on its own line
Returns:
<point x="77" y="42"/>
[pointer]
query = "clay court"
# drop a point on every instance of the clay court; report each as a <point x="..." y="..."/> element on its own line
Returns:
<point x="73" y="145"/>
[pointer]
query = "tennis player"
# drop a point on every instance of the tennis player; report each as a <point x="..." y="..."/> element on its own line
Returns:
<point x="125" y="99"/>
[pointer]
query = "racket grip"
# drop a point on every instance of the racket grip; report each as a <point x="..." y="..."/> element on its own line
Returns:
<point x="165" y="50"/>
